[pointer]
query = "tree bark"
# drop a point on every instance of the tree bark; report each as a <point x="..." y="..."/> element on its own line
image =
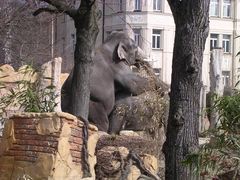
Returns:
<point x="86" y="34"/>
<point x="7" y="46"/>
<point x="7" y="42"/>
<point x="192" y="25"/>
<point x="85" y="20"/>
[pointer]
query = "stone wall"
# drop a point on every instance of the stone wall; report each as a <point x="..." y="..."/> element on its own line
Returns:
<point x="46" y="145"/>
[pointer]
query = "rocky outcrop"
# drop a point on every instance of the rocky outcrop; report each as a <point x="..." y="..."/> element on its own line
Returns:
<point x="46" y="146"/>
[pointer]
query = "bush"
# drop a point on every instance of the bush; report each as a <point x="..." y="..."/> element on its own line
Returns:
<point x="28" y="94"/>
<point x="222" y="153"/>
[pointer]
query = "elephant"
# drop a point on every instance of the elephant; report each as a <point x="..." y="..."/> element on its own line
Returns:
<point x="110" y="72"/>
<point x="137" y="112"/>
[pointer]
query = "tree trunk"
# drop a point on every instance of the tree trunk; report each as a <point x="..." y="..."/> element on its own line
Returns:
<point x="85" y="20"/>
<point x="7" y="46"/>
<point x="192" y="23"/>
<point x="86" y="34"/>
<point x="216" y="84"/>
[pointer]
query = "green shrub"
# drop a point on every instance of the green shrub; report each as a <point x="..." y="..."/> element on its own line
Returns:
<point x="28" y="94"/>
<point x="222" y="153"/>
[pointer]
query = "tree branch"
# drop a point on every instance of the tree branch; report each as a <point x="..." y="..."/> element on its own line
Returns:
<point x="61" y="7"/>
<point x="49" y="10"/>
<point x="87" y="3"/>
<point x="91" y="4"/>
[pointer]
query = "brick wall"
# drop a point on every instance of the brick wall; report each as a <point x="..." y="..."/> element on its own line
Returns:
<point x="29" y="143"/>
<point x="76" y="141"/>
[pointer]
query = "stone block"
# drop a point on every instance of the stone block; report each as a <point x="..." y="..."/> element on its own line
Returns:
<point x="45" y="146"/>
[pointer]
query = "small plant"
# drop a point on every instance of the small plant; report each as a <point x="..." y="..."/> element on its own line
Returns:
<point x="222" y="154"/>
<point x="28" y="94"/>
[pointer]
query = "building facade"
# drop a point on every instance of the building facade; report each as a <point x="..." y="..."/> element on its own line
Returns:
<point x="151" y="24"/>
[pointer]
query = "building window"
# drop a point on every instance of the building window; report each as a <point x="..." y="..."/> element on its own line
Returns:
<point x="157" y="5"/>
<point x="226" y="8"/>
<point x="226" y="43"/>
<point x="226" y="78"/>
<point x="225" y="63"/>
<point x="156" y="38"/>
<point x="137" y="36"/>
<point x="214" y="8"/>
<point x="157" y="71"/>
<point x="120" y="5"/>
<point x="213" y="41"/>
<point x="137" y="5"/>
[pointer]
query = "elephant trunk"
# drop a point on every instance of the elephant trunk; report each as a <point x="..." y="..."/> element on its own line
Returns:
<point x="140" y="54"/>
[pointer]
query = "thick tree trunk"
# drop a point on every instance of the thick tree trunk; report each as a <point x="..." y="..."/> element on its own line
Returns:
<point x="8" y="45"/>
<point x="191" y="19"/>
<point x="85" y="20"/>
<point x="86" y="34"/>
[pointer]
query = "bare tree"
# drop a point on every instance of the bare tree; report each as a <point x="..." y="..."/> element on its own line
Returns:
<point x="85" y="18"/>
<point x="7" y="12"/>
<point x="192" y="26"/>
<point x="23" y="38"/>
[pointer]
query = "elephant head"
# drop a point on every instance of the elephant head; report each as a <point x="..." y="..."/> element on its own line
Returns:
<point x="125" y="50"/>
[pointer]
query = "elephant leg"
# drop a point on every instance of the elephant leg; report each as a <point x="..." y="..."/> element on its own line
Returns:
<point x="98" y="116"/>
<point x="65" y="103"/>
<point x="116" y="122"/>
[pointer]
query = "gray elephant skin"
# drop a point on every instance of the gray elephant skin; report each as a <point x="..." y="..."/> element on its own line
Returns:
<point x="144" y="112"/>
<point x="110" y="73"/>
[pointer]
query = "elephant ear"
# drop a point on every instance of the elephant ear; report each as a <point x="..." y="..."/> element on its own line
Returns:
<point x="122" y="51"/>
